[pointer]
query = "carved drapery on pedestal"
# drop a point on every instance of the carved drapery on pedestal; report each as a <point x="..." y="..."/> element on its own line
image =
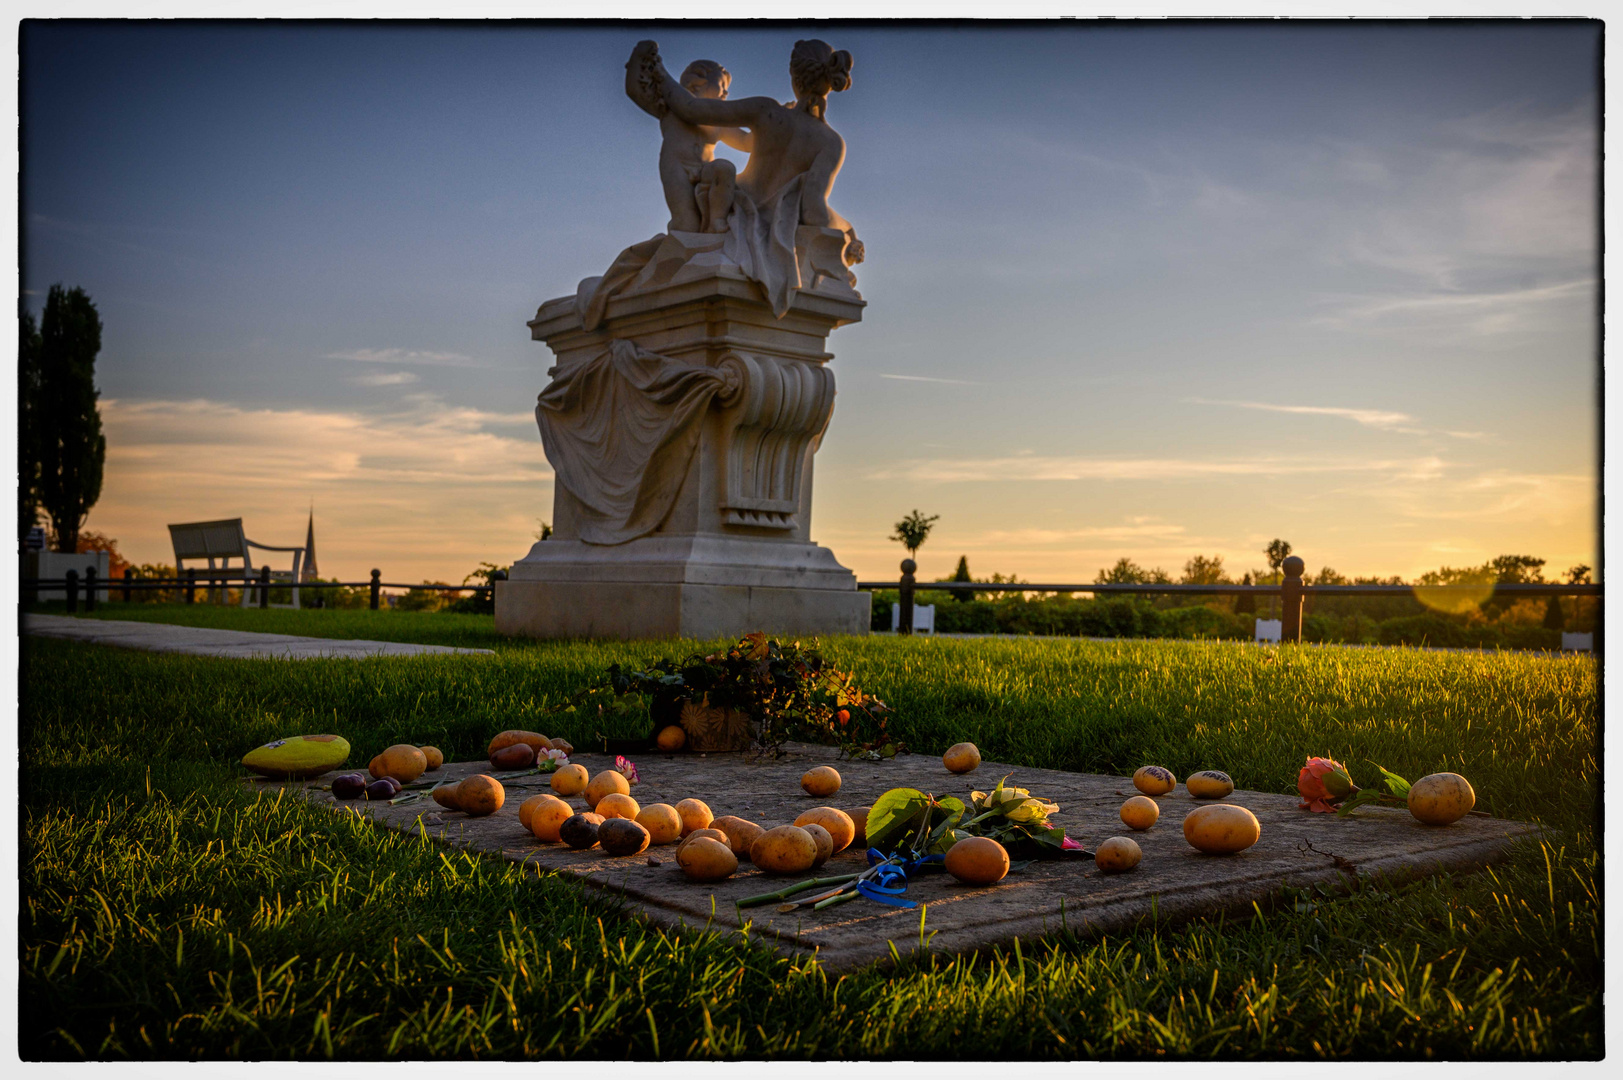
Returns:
<point x="775" y="424"/>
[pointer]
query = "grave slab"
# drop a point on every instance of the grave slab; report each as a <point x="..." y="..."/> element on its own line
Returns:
<point x="1173" y="883"/>
<point x="207" y="641"/>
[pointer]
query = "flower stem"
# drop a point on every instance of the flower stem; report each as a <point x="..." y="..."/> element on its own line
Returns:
<point x="837" y="899"/>
<point x="784" y="894"/>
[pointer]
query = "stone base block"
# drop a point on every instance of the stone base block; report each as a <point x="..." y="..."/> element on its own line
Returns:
<point x="632" y="610"/>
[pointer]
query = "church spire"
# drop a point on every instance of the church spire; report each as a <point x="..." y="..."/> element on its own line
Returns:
<point x="309" y="571"/>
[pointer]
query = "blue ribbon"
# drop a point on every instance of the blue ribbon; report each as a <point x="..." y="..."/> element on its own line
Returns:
<point x="891" y="881"/>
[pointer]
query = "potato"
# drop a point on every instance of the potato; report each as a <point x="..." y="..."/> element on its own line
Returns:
<point x="695" y="815"/>
<point x="374" y="768"/>
<point x="481" y="795"/>
<point x="713" y="834"/>
<point x="671" y="739"/>
<point x="962" y="758"/>
<point x="622" y="837"/>
<point x="607" y="782"/>
<point x="786" y="849"/>
<point x="433" y="756"/>
<point x="348" y="786"/>
<point x="1117" y="854"/>
<point x="546" y="818"/>
<point x="569" y="779"/>
<point x="533" y="740"/>
<point x="616" y="805"/>
<point x="579" y="831"/>
<point x="979" y="860"/>
<point x="1441" y="798"/>
<point x="740" y="833"/>
<point x="821" y="781"/>
<point x="1221" y="829"/>
<point x="707" y="859"/>
<point x="841" y="829"/>
<point x="825" y="842"/>
<point x="1154" y="780"/>
<point x="1140" y="813"/>
<point x="1210" y="784"/>
<point x="445" y="795"/>
<point x="517" y="756"/>
<point x="859" y="818"/>
<point x="559" y="744"/>
<point x="663" y="823"/>
<point x="527" y="807"/>
<point x="381" y="790"/>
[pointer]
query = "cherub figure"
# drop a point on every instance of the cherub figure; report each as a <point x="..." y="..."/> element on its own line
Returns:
<point x="698" y="187"/>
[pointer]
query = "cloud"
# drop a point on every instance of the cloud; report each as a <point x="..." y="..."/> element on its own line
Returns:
<point x="1375" y="418"/>
<point x="405" y="356"/>
<point x="385" y="378"/>
<point x="1028" y="468"/>
<point x="929" y="379"/>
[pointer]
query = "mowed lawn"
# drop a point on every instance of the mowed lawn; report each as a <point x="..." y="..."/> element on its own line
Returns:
<point x="166" y="911"/>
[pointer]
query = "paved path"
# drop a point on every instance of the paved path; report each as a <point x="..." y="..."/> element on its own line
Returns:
<point x="200" y="641"/>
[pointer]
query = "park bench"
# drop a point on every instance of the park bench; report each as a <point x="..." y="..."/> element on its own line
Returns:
<point x="225" y="540"/>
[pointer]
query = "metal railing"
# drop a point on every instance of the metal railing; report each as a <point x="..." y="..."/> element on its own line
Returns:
<point x="71" y="585"/>
<point x="1291" y="591"/>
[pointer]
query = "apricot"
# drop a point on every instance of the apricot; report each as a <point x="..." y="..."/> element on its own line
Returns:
<point x="841" y="829"/>
<point x="433" y="756"/>
<point x="569" y="779"/>
<point x="786" y="849"/>
<point x="1154" y="780"/>
<point x="671" y="739"/>
<point x="663" y="823"/>
<point x="821" y="781"/>
<point x="1210" y="784"/>
<point x="480" y="795"/>
<point x="1140" y="813"/>
<point x="1441" y="798"/>
<point x="616" y="805"/>
<point x="548" y="815"/>
<point x="695" y="815"/>
<point x="978" y="860"/>
<point x="579" y="831"/>
<point x="607" y="782"/>
<point x="706" y="859"/>
<point x="740" y="833"/>
<point x="535" y="741"/>
<point x="1117" y="854"/>
<point x="622" y="837"/>
<point x="859" y="818"/>
<point x="1221" y="828"/>
<point x="825" y="842"/>
<point x="961" y="758"/>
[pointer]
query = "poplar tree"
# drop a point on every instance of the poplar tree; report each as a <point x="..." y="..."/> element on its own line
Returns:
<point x="72" y="448"/>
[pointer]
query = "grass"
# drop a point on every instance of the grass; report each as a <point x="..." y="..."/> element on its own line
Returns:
<point x="168" y="912"/>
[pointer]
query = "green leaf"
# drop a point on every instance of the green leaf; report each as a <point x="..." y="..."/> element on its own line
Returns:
<point x="1363" y="798"/>
<point x="1395" y="783"/>
<point x="893" y="815"/>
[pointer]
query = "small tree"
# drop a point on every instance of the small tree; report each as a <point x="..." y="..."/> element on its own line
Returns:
<point x="913" y="530"/>
<point x="71" y="445"/>
<point x="1126" y="571"/>
<point x="1245" y="603"/>
<point x="962" y="574"/>
<point x="28" y="348"/>
<point x="1277" y="552"/>
<point x="1200" y="570"/>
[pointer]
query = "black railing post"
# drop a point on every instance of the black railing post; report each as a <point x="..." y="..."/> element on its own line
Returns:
<point x="72" y="591"/>
<point x="264" y="587"/>
<point x="377" y="577"/>
<point x="90" y="589"/>
<point x="1290" y="602"/>
<point x="904" y="622"/>
<point x="191" y="584"/>
<point x="128" y="571"/>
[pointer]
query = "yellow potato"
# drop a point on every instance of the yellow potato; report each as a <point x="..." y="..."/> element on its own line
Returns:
<point x="787" y="849"/>
<point x="607" y="782"/>
<point x="1117" y="854"/>
<point x="375" y="767"/>
<point x="671" y="739"/>
<point x="859" y="819"/>
<point x="480" y="796"/>
<point x="1140" y="813"/>
<point x="740" y="833"/>
<point x="616" y="805"/>
<point x="527" y="807"/>
<point x="561" y="744"/>
<point x="708" y="860"/>
<point x="1441" y="798"/>
<point x="535" y="741"/>
<point x="569" y="779"/>
<point x="434" y="757"/>
<point x="1154" y="780"/>
<point x="825" y="842"/>
<point x="445" y="795"/>
<point x="695" y="815"/>
<point x="841" y="829"/>
<point x="701" y="834"/>
<point x="978" y="860"/>
<point x="663" y="823"/>
<point x="1210" y="784"/>
<point x="961" y="758"/>
<point x="548" y="816"/>
<point x="1221" y="828"/>
<point x="821" y="781"/>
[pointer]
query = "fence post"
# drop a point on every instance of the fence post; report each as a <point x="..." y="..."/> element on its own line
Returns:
<point x="128" y="571"/>
<point x="191" y="584"/>
<point x="72" y="591"/>
<point x="377" y="576"/>
<point x="90" y="589"/>
<point x="264" y="587"/>
<point x="904" y="622"/>
<point x="1290" y="602"/>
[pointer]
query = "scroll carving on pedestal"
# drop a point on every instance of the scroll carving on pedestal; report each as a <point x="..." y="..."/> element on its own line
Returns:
<point x="776" y="422"/>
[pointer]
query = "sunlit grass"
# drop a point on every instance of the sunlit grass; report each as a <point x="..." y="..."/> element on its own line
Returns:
<point x="167" y="912"/>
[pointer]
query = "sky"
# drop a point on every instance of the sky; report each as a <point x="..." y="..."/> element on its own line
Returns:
<point x="1134" y="290"/>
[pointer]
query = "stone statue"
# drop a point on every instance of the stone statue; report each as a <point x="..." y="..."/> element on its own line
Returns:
<point x="698" y="188"/>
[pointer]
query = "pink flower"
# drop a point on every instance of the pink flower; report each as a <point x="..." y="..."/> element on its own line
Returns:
<point x="1067" y="844"/>
<point x="626" y="768"/>
<point x="1322" y="783"/>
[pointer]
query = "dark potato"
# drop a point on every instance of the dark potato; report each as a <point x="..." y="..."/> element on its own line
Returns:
<point x="392" y="782"/>
<point x="379" y="790"/>
<point x="348" y="786"/>
<point x="580" y="831"/>
<point x="620" y="836"/>
<point x="517" y="756"/>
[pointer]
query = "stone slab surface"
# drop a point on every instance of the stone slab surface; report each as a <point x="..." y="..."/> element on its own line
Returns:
<point x="1174" y="882"/>
<point x="202" y="641"/>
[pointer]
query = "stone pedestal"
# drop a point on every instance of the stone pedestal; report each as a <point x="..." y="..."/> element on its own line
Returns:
<point x="733" y="554"/>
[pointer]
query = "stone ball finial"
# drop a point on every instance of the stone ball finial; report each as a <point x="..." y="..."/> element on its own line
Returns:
<point x="1294" y="566"/>
<point x="909" y="566"/>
